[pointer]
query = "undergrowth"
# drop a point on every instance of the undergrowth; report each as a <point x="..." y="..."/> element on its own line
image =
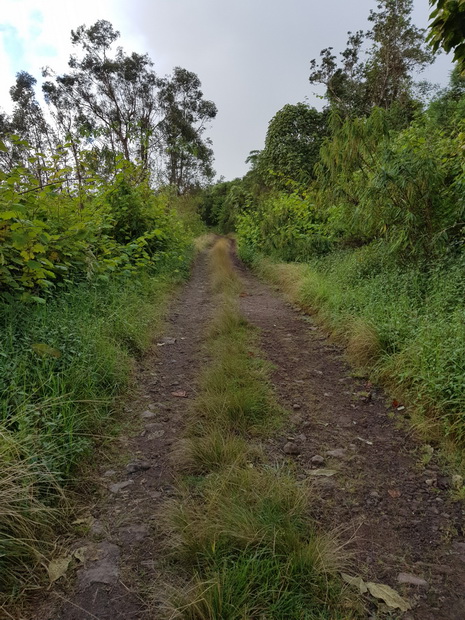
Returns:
<point x="239" y="524"/>
<point x="62" y="365"/>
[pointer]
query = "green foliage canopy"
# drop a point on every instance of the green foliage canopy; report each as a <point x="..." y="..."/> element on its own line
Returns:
<point x="292" y="145"/>
<point x="447" y="29"/>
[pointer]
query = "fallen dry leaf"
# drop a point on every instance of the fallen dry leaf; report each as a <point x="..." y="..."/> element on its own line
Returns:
<point x="323" y="472"/>
<point x="80" y="553"/>
<point x="388" y="595"/>
<point x="394" y="493"/>
<point x="44" y="350"/>
<point x="58" y="567"/>
<point x="369" y="443"/>
<point x="179" y="394"/>
<point x="355" y="581"/>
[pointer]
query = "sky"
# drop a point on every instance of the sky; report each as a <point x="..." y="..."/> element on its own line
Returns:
<point x="252" y="56"/>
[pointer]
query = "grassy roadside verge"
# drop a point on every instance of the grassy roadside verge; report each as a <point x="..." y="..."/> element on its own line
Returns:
<point x="63" y="367"/>
<point x="402" y="324"/>
<point x="239" y="528"/>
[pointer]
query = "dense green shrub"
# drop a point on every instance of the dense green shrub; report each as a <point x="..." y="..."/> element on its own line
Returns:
<point x="50" y="239"/>
<point x="285" y="226"/>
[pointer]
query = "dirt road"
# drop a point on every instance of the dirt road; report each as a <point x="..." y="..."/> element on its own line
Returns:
<point x="391" y="502"/>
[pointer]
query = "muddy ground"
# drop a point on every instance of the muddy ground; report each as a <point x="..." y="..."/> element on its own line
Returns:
<point x="394" y="509"/>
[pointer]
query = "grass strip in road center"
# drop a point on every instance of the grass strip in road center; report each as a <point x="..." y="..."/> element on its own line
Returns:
<point x="239" y="527"/>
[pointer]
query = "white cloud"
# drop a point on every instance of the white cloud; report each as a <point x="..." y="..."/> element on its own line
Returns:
<point x="42" y="32"/>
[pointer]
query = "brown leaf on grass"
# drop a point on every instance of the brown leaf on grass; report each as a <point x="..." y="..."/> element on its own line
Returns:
<point x="179" y="394"/>
<point x="44" y="350"/>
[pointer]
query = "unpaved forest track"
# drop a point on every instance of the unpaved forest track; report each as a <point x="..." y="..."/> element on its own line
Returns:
<point x="401" y="523"/>
<point x="379" y="495"/>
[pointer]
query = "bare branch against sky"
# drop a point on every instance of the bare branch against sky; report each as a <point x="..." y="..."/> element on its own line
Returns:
<point x="252" y="56"/>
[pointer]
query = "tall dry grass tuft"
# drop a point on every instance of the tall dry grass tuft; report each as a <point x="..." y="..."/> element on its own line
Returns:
<point x="28" y="526"/>
<point x="363" y="344"/>
<point x="204" y="242"/>
<point x="288" y="276"/>
<point x="224" y="278"/>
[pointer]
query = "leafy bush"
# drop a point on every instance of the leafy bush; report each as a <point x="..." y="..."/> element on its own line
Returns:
<point x="97" y="260"/>
<point x="285" y="226"/>
<point x="49" y="240"/>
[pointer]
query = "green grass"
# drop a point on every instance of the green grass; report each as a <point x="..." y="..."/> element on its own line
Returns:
<point x="210" y="449"/>
<point x="58" y="399"/>
<point x="260" y="584"/>
<point x="62" y="367"/>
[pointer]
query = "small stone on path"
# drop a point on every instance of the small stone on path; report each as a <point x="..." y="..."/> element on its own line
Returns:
<point x="339" y="453"/>
<point x="119" y="486"/>
<point x="148" y="415"/>
<point x="317" y="460"/>
<point x="104" y="570"/>
<point x="291" y="448"/>
<point x="132" y="468"/>
<point x="411" y="579"/>
<point x="165" y="341"/>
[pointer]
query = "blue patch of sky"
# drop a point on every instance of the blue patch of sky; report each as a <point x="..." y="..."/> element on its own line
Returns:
<point x="13" y="46"/>
<point x="35" y="27"/>
<point x="35" y="30"/>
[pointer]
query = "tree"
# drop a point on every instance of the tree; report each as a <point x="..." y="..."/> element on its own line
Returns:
<point x="292" y="145"/>
<point x="398" y="49"/>
<point x="26" y="131"/>
<point x="379" y="74"/>
<point x="112" y="100"/>
<point x="345" y="84"/>
<point x="185" y="116"/>
<point x="447" y="30"/>
<point x="117" y="106"/>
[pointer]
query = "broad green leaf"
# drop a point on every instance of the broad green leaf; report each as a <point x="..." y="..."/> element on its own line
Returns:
<point x="44" y="350"/>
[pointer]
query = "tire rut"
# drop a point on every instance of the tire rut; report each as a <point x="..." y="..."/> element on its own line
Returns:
<point x="398" y="514"/>
<point x="122" y="555"/>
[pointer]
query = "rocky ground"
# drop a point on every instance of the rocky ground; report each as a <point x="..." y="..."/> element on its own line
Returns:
<point x="373" y="482"/>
